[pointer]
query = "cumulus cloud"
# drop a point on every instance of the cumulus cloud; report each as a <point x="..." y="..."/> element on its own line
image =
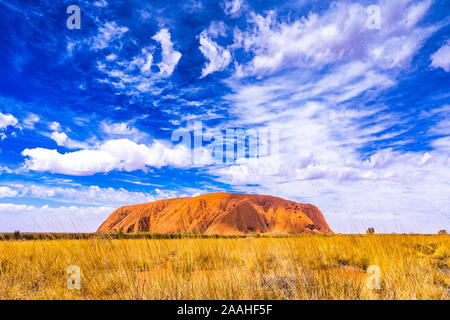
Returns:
<point x="7" y="120"/>
<point x="121" y="154"/>
<point x="441" y="58"/>
<point x="6" y="192"/>
<point x="84" y="162"/>
<point x="170" y="57"/>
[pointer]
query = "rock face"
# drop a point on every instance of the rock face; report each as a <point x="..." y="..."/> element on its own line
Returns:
<point x="218" y="213"/>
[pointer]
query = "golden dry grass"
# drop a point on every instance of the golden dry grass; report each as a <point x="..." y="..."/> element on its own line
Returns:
<point x="303" y="267"/>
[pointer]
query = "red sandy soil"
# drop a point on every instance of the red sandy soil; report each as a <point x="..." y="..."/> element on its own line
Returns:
<point x="218" y="213"/>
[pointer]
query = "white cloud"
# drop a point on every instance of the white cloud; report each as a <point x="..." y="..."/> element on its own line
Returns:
<point x="86" y="195"/>
<point x="192" y="6"/>
<point x="170" y="57"/>
<point x="233" y="7"/>
<point x="111" y="57"/>
<point x="333" y="66"/>
<point x="441" y="128"/>
<point x="121" y="154"/>
<point x="143" y="61"/>
<point x="216" y="29"/>
<point x="86" y="208"/>
<point x="218" y="57"/>
<point x="391" y="191"/>
<point x="7" y="120"/>
<point x="59" y="137"/>
<point x="5" y="169"/>
<point x="442" y="144"/>
<point x="107" y="33"/>
<point x="6" y="192"/>
<point x="84" y="162"/>
<point x="62" y="139"/>
<point x="317" y="124"/>
<point x="120" y="77"/>
<point x="441" y="58"/>
<point x="30" y="121"/>
<point x="78" y="208"/>
<point x="28" y="218"/>
<point x="121" y="73"/>
<point x="54" y="126"/>
<point x="101" y="3"/>
<point x="320" y="161"/>
<point x="120" y="128"/>
<point x="339" y="34"/>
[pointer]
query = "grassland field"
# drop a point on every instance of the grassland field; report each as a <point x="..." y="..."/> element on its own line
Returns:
<point x="189" y="266"/>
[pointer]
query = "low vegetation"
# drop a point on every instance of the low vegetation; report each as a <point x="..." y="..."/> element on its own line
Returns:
<point x="252" y="267"/>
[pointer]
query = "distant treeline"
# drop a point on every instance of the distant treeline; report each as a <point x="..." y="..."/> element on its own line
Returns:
<point x="138" y="235"/>
<point x="147" y="235"/>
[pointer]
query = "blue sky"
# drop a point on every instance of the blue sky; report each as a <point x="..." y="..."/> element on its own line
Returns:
<point x="362" y="109"/>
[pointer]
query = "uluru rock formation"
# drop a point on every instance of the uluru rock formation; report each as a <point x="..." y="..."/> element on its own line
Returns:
<point x="218" y="213"/>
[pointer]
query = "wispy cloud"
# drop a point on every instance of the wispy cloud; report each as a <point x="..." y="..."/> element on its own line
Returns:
<point x="218" y="58"/>
<point x="107" y="33"/>
<point x="233" y="7"/>
<point x="339" y="34"/>
<point x="122" y="75"/>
